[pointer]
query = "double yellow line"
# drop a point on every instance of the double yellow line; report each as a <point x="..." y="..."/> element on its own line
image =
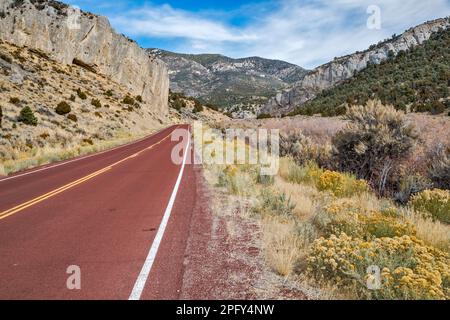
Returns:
<point x="68" y="186"/>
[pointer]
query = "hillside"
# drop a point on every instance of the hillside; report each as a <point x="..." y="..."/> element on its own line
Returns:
<point x="417" y="80"/>
<point x="343" y="68"/>
<point x="238" y="86"/>
<point x="100" y="110"/>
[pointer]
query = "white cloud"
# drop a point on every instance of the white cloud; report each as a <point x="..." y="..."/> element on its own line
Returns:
<point x="304" y="32"/>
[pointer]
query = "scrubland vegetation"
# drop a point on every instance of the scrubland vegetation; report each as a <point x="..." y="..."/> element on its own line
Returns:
<point x="416" y="80"/>
<point x="334" y="210"/>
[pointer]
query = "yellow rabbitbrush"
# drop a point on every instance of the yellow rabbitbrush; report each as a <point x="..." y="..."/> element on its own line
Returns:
<point x="409" y="268"/>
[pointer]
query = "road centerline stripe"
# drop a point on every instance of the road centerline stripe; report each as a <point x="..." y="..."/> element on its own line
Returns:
<point x="150" y="259"/>
<point x="72" y="184"/>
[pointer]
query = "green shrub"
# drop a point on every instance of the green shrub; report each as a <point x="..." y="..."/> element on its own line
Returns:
<point x="128" y="100"/>
<point x="72" y="98"/>
<point x="139" y="99"/>
<point x="14" y="100"/>
<point x="63" y="108"/>
<point x="81" y="94"/>
<point x="197" y="106"/>
<point x="27" y="116"/>
<point x="302" y="149"/>
<point x="72" y="117"/>
<point x="435" y="202"/>
<point x="178" y="104"/>
<point x="109" y="93"/>
<point x="374" y="142"/>
<point x="264" y="116"/>
<point x="273" y="203"/>
<point x="439" y="172"/>
<point x="96" y="103"/>
<point x="409" y="185"/>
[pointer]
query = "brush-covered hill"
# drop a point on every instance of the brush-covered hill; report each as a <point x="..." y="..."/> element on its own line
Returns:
<point x="236" y="86"/>
<point x="340" y="69"/>
<point x="415" y="80"/>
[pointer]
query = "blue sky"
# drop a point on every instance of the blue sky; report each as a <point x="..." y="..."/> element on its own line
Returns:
<point x="304" y="32"/>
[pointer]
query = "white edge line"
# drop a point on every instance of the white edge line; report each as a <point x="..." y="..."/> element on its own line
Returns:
<point x="79" y="159"/>
<point x="147" y="267"/>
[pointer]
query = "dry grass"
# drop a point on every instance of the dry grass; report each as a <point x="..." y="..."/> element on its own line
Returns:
<point x="47" y="154"/>
<point x="280" y="245"/>
<point x="432" y="232"/>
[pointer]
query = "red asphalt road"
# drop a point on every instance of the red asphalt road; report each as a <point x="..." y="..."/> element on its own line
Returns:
<point x="104" y="225"/>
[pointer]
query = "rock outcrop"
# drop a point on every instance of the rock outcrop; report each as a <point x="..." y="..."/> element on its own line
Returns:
<point x="70" y="36"/>
<point x="343" y="68"/>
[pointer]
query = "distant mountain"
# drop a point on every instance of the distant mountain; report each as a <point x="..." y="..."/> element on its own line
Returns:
<point x="238" y="86"/>
<point x="344" y="68"/>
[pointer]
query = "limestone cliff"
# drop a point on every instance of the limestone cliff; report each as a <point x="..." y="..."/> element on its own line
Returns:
<point x="75" y="37"/>
<point x="342" y="68"/>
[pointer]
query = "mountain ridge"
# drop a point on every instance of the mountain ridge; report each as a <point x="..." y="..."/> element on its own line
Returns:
<point x="238" y="86"/>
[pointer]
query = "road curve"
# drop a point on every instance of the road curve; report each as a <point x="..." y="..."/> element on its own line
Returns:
<point x="100" y="213"/>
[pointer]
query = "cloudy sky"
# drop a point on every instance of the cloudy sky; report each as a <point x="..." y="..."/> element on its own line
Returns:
<point x="304" y="32"/>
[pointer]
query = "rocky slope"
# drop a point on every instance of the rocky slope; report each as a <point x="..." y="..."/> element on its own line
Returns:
<point x="345" y="67"/>
<point x="238" y="86"/>
<point x="100" y="110"/>
<point x="87" y="40"/>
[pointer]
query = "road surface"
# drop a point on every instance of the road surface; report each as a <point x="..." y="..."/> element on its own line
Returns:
<point x="122" y="217"/>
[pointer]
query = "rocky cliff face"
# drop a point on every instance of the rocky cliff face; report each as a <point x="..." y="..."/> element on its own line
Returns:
<point x="345" y="67"/>
<point x="238" y="86"/>
<point x="87" y="40"/>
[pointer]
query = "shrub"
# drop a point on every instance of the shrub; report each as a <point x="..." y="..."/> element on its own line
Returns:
<point x="263" y="116"/>
<point x="27" y="116"/>
<point x="341" y="184"/>
<point x="374" y="142"/>
<point x="409" y="185"/>
<point x="350" y="217"/>
<point x="96" y="103"/>
<point x="81" y="94"/>
<point x="128" y="100"/>
<point x="408" y="268"/>
<point x="88" y="141"/>
<point x="292" y="172"/>
<point x="236" y="181"/>
<point x="1" y="116"/>
<point x="302" y="149"/>
<point x="139" y="99"/>
<point x="178" y="104"/>
<point x="197" y="106"/>
<point x="14" y="100"/>
<point x="436" y="202"/>
<point x="72" y="117"/>
<point x="273" y="203"/>
<point x="72" y="98"/>
<point x="440" y="171"/>
<point x="63" y="108"/>
<point x="109" y="93"/>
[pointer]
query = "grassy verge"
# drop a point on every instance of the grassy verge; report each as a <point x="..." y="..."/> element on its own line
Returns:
<point x="41" y="156"/>
<point x="322" y="230"/>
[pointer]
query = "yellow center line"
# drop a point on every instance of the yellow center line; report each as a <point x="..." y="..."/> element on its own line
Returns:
<point x="72" y="184"/>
